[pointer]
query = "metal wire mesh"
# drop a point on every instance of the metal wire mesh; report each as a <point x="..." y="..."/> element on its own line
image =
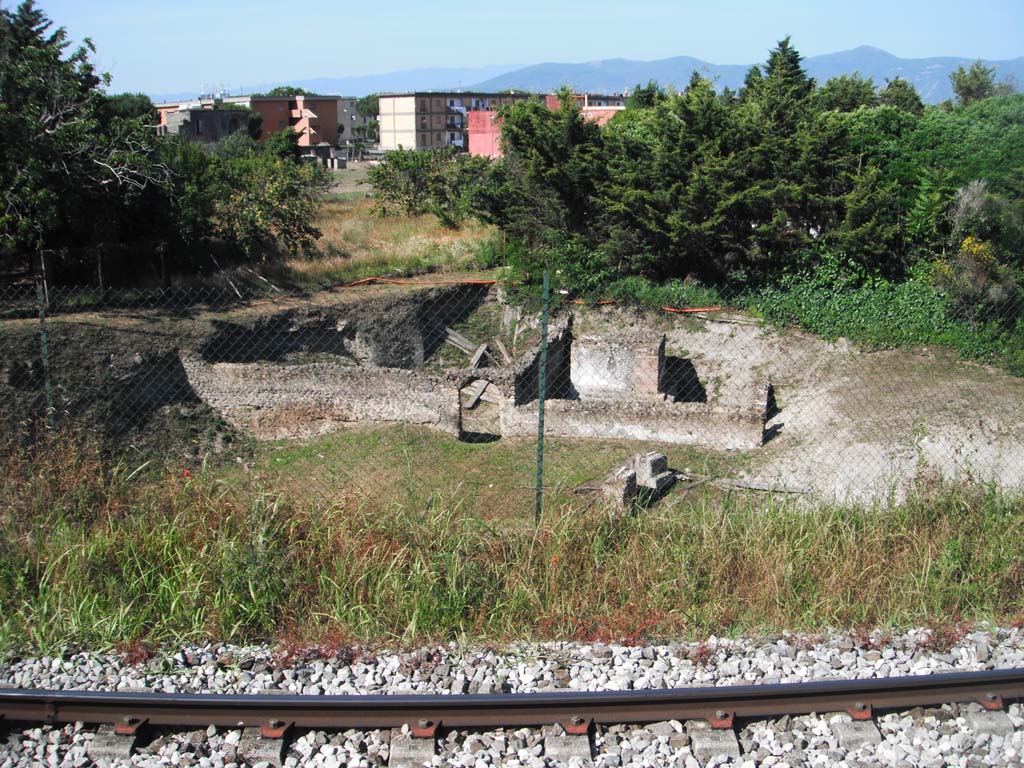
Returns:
<point x="407" y="393"/>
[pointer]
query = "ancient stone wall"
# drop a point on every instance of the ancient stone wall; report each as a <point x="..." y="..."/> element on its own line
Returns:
<point x="605" y="366"/>
<point x="653" y="420"/>
<point x="273" y="401"/>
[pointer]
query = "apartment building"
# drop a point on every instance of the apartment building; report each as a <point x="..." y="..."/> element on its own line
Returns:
<point x="485" y="125"/>
<point x="594" y="106"/>
<point x="425" y="120"/>
<point x="313" y="118"/>
<point x="350" y="118"/>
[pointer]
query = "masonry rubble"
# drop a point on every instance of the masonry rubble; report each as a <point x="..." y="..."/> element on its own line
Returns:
<point x="645" y="473"/>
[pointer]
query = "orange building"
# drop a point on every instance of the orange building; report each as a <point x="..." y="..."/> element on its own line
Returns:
<point x="313" y="118"/>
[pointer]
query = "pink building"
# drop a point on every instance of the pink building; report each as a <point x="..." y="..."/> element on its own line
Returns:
<point x="484" y="126"/>
<point x="484" y="133"/>
<point x="595" y="106"/>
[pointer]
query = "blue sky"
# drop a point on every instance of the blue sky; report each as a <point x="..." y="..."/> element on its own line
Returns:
<point x="178" y="45"/>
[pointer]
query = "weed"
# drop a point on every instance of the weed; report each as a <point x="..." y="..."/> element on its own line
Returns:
<point x="701" y="654"/>
<point x="942" y="634"/>
<point x="92" y="554"/>
<point x="135" y="652"/>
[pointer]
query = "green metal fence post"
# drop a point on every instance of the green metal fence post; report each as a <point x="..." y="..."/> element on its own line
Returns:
<point x="44" y="350"/>
<point x="542" y="369"/>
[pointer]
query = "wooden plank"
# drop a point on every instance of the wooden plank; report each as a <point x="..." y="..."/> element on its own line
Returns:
<point x="491" y="395"/>
<point x="478" y="355"/>
<point x="475" y="391"/>
<point x="459" y="340"/>
<point x="458" y="346"/>
<point x="504" y="352"/>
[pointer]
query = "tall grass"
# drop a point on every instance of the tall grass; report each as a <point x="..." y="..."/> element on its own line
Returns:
<point x="358" y="243"/>
<point x="93" y="553"/>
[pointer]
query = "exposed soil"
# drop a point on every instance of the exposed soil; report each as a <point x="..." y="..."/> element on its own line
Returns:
<point x="861" y="426"/>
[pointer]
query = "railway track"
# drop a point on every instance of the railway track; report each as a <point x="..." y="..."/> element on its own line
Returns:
<point x="711" y="713"/>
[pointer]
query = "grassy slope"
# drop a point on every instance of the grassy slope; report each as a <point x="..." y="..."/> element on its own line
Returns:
<point x="356" y="243"/>
<point x="162" y="557"/>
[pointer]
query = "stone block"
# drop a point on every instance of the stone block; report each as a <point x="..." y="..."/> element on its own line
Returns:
<point x="565" y="748"/>
<point x="648" y="466"/>
<point x="409" y="752"/>
<point x="857" y="734"/>
<point x="710" y="742"/>
<point x="990" y="723"/>
<point x="661" y="482"/>
<point x="107" y="748"/>
<point x="619" y="487"/>
<point x="257" y="749"/>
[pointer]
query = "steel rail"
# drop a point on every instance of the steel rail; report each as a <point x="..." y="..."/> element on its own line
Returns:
<point x="717" y="704"/>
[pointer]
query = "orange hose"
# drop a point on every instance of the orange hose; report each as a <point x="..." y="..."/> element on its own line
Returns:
<point x="692" y="310"/>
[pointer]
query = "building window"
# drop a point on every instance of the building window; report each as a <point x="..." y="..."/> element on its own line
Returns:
<point x="281" y="124"/>
<point x="199" y="126"/>
<point x="423" y="105"/>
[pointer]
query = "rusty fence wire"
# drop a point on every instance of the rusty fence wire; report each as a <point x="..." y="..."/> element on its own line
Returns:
<point x="425" y="391"/>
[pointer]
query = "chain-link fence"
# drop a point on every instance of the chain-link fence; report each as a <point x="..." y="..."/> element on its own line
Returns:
<point x="410" y="392"/>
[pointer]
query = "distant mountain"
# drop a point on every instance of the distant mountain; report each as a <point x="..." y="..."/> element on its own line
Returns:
<point x="929" y="76"/>
<point x="425" y="79"/>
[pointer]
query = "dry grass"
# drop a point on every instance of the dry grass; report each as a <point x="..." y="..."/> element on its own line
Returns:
<point x="95" y="554"/>
<point x="358" y="243"/>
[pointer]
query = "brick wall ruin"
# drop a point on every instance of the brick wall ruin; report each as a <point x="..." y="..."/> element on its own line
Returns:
<point x="618" y="385"/>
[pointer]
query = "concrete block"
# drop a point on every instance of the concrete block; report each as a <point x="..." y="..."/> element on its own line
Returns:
<point x="256" y="749"/>
<point x="857" y="734"/>
<point x="707" y="742"/>
<point x="408" y="752"/>
<point x="648" y="466"/>
<point x="619" y="487"/>
<point x="661" y="482"/>
<point x="990" y="723"/>
<point x="566" y="748"/>
<point x="107" y="748"/>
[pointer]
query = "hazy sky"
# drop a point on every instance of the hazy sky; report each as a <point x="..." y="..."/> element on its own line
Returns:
<point x="178" y="45"/>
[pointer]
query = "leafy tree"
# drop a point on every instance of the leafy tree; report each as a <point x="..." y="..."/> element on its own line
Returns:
<point x="846" y="93"/>
<point x="368" y="106"/>
<point x="67" y="163"/>
<point x="902" y="95"/>
<point x="401" y="181"/>
<point x="973" y="84"/>
<point x="284" y="145"/>
<point x="267" y="200"/>
<point x="644" y="96"/>
<point x="235" y="146"/>
<point x="132" y="106"/>
<point x="286" y="90"/>
<point x="926" y="218"/>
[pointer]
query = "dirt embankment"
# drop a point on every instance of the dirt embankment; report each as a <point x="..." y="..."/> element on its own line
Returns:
<point x="117" y="373"/>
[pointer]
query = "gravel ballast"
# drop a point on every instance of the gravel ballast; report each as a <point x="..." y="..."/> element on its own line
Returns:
<point x="942" y="736"/>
